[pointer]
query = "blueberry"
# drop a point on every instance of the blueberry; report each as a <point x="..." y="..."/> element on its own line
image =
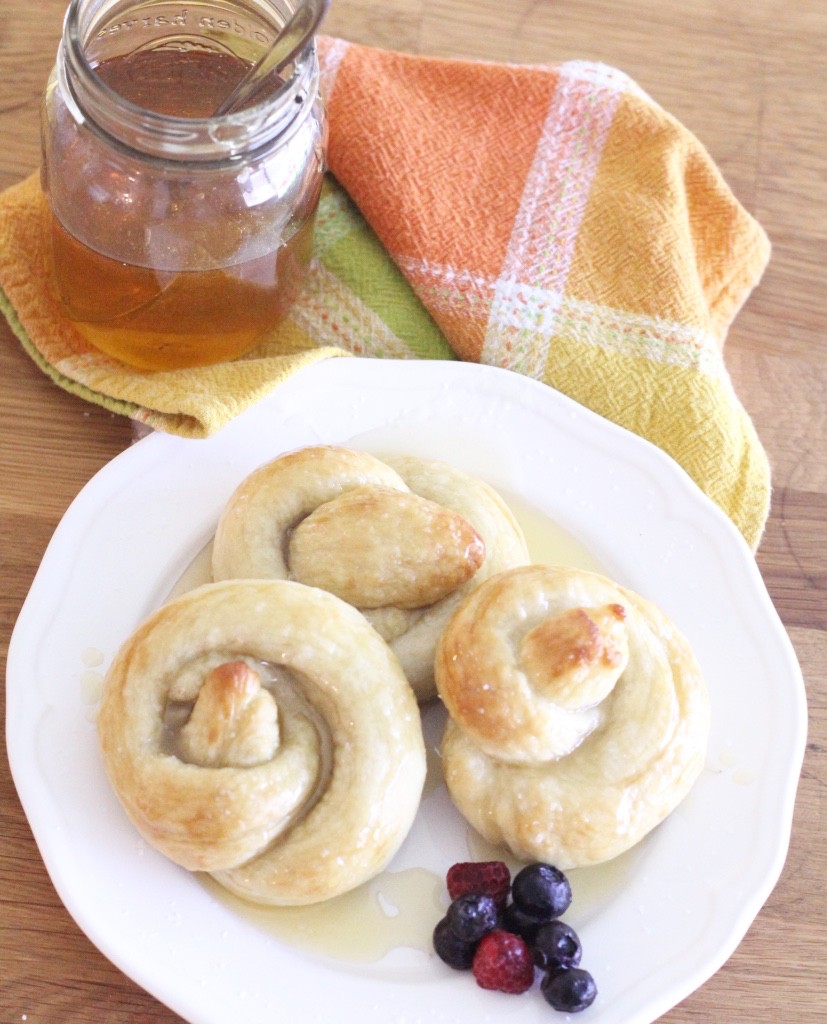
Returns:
<point x="542" y="890"/>
<point x="472" y="916"/>
<point x="451" y="950"/>
<point x="570" y="989"/>
<point x="557" y="944"/>
<point x="522" y="922"/>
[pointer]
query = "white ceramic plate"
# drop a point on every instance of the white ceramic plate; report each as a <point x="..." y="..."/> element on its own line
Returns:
<point x="654" y="925"/>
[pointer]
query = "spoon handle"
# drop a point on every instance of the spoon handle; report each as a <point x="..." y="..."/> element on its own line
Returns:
<point x="289" y="42"/>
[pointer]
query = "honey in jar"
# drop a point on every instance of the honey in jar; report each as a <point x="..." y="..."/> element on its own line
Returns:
<point x="177" y="238"/>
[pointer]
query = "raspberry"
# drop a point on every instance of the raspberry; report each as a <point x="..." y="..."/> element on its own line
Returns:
<point x="488" y="877"/>
<point x="503" y="962"/>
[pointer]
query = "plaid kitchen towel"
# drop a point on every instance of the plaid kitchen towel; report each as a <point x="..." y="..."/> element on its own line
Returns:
<point x="554" y="221"/>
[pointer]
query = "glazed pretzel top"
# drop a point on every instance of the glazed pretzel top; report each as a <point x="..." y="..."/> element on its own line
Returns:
<point x="262" y="731"/>
<point x="578" y="714"/>
<point x="403" y="539"/>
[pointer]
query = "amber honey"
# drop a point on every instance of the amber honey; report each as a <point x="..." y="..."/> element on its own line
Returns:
<point x="166" y="319"/>
<point x="233" y="266"/>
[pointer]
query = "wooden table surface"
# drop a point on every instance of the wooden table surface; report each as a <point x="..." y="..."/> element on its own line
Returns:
<point x="750" y="79"/>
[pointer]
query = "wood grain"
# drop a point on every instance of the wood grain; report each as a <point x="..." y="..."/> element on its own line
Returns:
<point x="751" y="81"/>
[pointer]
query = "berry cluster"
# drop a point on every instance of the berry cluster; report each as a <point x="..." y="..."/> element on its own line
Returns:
<point x="503" y="929"/>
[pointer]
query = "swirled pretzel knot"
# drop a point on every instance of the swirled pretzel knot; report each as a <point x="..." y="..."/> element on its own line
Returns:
<point x="402" y="539"/>
<point x="578" y="716"/>
<point x="262" y="731"/>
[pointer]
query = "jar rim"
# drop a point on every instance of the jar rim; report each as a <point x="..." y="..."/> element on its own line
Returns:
<point x="200" y="140"/>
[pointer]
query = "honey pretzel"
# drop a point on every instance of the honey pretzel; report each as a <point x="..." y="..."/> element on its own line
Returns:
<point x="262" y="731"/>
<point x="403" y="539"/>
<point x="578" y="714"/>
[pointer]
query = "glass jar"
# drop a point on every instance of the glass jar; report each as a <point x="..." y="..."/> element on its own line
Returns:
<point x="177" y="238"/>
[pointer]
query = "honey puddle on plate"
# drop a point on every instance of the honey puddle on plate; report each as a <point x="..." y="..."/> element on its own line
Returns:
<point x="398" y="909"/>
<point x="547" y="542"/>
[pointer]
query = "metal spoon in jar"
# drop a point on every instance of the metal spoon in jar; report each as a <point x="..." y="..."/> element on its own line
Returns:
<point x="292" y="39"/>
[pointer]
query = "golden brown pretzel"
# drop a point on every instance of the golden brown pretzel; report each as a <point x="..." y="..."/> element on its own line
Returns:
<point x="403" y="539"/>
<point x="578" y="714"/>
<point x="264" y="732"/>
